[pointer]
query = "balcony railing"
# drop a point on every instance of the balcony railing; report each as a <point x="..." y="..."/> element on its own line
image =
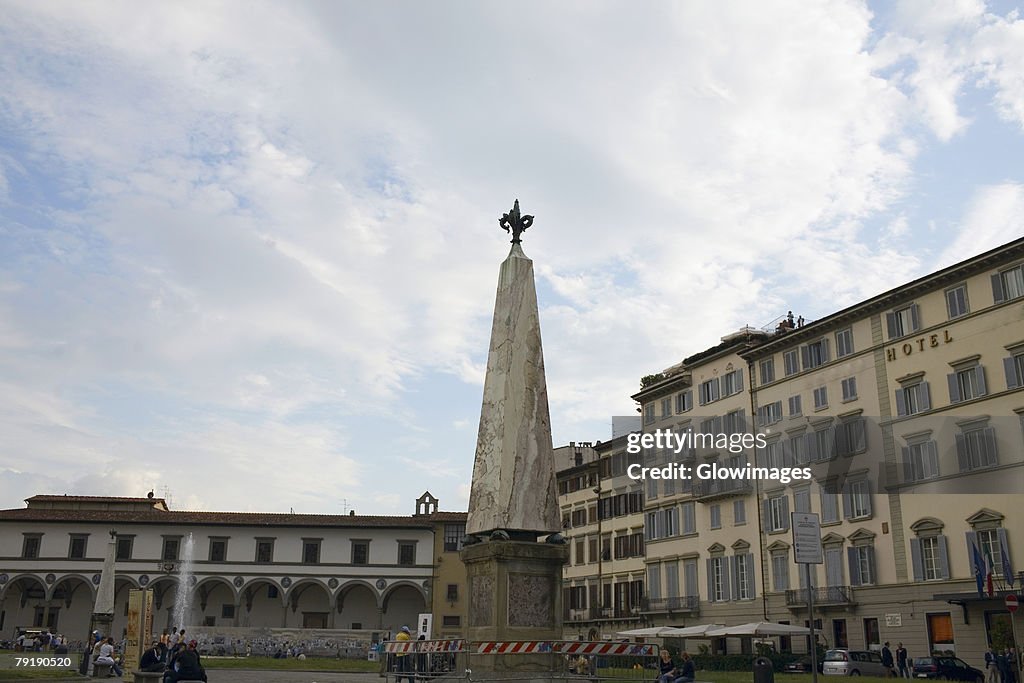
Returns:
<point x="828" y="595"/>
<point x="597" y="613"/>
<point x="709" y="489"/>
<point x="687" y="603"/>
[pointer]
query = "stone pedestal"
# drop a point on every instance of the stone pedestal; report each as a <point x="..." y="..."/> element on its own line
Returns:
<point x="515" y="593"/>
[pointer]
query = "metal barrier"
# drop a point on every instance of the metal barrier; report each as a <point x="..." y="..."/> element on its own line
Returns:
<point x="414" y="661"/>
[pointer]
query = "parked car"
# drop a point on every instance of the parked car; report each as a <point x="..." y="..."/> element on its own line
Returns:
<point x="800" y="666"/>
<point x="948" y="668"/>
<point x="853" y="663"/>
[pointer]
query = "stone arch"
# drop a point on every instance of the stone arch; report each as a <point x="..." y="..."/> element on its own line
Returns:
<point x="357" y="605"/>
<point x="23" y="583"/>
<point x="308" y="604"/>
<point x="402" y="603"/>
<point x="61" y="589"/>
<point x="19" y="598"/>
<point x="261" y="603"/>
<point x="210" y="595"/>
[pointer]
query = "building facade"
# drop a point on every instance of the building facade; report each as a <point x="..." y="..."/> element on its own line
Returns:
<point x="246" y="570"/>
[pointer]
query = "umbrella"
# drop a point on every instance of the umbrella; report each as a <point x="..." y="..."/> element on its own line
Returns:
<point x="692" y="631"/>
<point x="650" y="632"/>
<point x="759" y="629"/>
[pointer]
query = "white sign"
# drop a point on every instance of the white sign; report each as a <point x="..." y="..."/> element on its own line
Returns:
<point x="807" y="538"/>
<point x="424" y="625"/>
<point x="893" y="620"/>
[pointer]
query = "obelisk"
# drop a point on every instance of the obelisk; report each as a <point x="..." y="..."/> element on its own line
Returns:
<point x="515" y="579"/>
<point x="102" y="619"/>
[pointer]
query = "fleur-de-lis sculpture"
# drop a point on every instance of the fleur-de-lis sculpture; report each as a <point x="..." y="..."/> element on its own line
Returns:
<point x="512" y="222"/>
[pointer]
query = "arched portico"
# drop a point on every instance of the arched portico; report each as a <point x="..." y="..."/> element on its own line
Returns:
<point x="401" y="605"/>
<point x="215" y="602"/>
<point x="309" y="605"/>
<point x="357" y="605"/>
<point x="261" y="603"/>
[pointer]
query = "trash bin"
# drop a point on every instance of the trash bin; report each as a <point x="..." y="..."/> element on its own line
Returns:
<point x="764" y="672"/>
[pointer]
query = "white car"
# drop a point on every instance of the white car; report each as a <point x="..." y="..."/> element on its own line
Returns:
<point x="854" y="663"/>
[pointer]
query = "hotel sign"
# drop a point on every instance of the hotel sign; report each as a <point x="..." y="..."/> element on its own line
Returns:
<point x="918" y="345"/>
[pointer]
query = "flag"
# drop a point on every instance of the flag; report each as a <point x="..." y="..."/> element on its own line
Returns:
<point x="1007" y="569"/>
<point x="979" y="569"/>
<point x="989" y="571"/>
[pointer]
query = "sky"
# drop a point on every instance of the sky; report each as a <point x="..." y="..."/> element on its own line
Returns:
<point x="248" y="251"/>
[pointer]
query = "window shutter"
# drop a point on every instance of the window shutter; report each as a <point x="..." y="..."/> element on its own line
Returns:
<point x="989" y="439"/>
<point x="1004" y="548"/>
<point x="726" y="580"/>
<point x="868" y="498"/>
<point x="901" y="402"/>
<point x="972" y="542"/>
<point x="919" y="565"/>
<point x="924" y="396"/>
<point x="871" y="565"/>
<point x="954" y="388"/>
<point x="805" y="357"/>
<point x="825" y="357"/>
<point x="961" y="452"/>
<point x="979" y="372"/>
<point x="785" y="513"/>
<point x="1010" y="368"/>
<point x="890" y="322"/>
<point x="711" y="579"/>
<point x="761" y="412"/>
<point x="739" y="380"/>
<point x="767" y="514"/>
<point x="741" y="420"/>
<point x="908" y="466"/>
<point x="735" y="575"/>
<point x="847" y="504"/>
<point x="751" y="581"/>
<point x="944" y="558"/>
<point x="915" y="317"/>
<point x="716" y="392"/>
<point x="997" y="289"/>
<point x="851" y="557"/>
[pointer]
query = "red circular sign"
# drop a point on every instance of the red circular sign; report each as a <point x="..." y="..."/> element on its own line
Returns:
<point x="1011" y="603"/>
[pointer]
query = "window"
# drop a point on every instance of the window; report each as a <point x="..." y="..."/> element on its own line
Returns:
<point x="929" y="556"/>
<point x="956" y="301"/>
<point x="767" y="369"/>
<point x="797" y="445"/>
<point x="849" y="389"/>
<point x="744" y="568"/>
<point x="311" y="551"/>
<point x="802" y="500"/>
<point x="844" y="342"/>
<point x="732" y="383"/>
<point x="124" y="547"/>
<point x="715" y="512"/>
<point x="966" y="383"/>
<point x="871" y="633"/>
<point x="903" y="321"/>
<point x="851" y="436"/>
<point x="739" y="512"/>
<point x="829" y="507"/>
<point x="1008" y="285"/>
<point x="733" y="423"/>
<point x="592" y="550"/>
<point x="780" y="571"/>
<point x="791" y="362"/>
<point x="773" y="454"/>
<point x="76" y="548"/>
<point x="654" y="581"/>
<point x="170" y="549"/>
<point x="862" y="565"/>
<point x="453" y="535"/>
<point x="452" y="594"/>
<point x="227" y="611"/>
<point x="666" y="407"/>
<point x="794" y="405"/>
<point x="920" y="461"/>
<point x="30" y="546"/>
<point x="360" y="552"/>
<point x="264" y="550"/>
<point x="912" y="399"/>
<point x="708" y="391"/>
<point x="451" y="621"/>
<point x="777" y="513"/>
<point x="769" y="414"/>
<point x="689" y="518"/>
<point x="1013" y="366"/>
<point x="976" y="447"/>
<point x="718" y="579"/>
<point x="218" y="549"/>
<point x="991" y="543"/>
<point x="684" y="401"/>
<point x="814" y="355"/>
<point x="822" y="444"/>
<point x="671" y="579"/>
<point x="407" y="553"/>
<point x="821" y="398"/>
<point x="857" y="500"/>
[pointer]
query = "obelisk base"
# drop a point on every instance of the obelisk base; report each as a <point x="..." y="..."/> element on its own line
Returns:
<point x="515" y="594"/>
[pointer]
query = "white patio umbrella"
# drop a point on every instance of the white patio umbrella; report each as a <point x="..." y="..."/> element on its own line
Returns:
<point x="759" y="629"/>
<point x="699" y="631"/>
<point x="650" y="632"/>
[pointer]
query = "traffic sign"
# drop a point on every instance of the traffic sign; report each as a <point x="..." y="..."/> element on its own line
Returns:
<point x="1011" y="603"/>
<point x="807" y="538"/>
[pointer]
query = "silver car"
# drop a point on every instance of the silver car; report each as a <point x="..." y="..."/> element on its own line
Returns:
<point x="853" y="663"/>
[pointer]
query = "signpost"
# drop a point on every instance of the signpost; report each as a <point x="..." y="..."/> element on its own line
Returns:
<point x="807" y="550"/>
<point x="1011" y="603"/>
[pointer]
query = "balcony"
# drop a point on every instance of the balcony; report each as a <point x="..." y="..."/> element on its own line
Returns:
<point x="597" y="613"/>
<point x="823" y="597"/>
<point x="708" y="490"/>
<point x="689" y="604"/>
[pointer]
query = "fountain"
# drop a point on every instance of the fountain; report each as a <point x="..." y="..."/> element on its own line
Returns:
<point x="182" y="612"/>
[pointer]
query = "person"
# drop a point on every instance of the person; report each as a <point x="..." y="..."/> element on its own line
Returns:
<point x="887" y="661"/>
<point x="403" y="663"/>
<point x="581" y="666"/>
<point x="106" y="655"/>
<point x="687" y="672"/>
<point x="1003" y="664"/>
<point x="165" y="638"/>
<point x="666" y="667"/>
<point x="991" y="667"/>
<point x="187" y="664"/>
<point x="901" y="661"/>
<point x="152" y="659"/>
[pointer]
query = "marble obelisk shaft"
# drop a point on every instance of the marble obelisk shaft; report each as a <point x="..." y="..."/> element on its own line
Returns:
<point x="513" y="485"/>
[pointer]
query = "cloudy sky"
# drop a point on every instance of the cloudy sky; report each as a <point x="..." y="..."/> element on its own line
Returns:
<point x="248" y="251"/>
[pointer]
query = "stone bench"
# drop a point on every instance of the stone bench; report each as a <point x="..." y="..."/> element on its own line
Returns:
<point x="101" y="670"/>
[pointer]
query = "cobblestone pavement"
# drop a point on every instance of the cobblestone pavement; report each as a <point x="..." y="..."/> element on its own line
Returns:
<point x="262" y="676"/>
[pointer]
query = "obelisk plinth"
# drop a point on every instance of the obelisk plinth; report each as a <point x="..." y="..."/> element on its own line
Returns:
<point x="514" y="579"/>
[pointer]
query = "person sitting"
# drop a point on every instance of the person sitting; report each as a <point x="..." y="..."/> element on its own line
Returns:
<point x="687" y="671"/>
<point x="187" y="666"/>
<point x="152" y="659"/>
<point x="106" y="656"/>
<point x="666" y="668"/>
